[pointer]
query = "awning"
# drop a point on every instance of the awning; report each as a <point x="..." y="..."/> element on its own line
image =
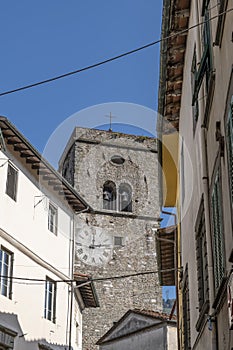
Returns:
<point x="166" y="252"/>
<point x="87" y="290"/>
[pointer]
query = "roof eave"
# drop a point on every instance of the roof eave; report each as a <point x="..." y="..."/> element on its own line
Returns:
<point x="166" y="253"/>
<point x="87" y="290"/>
<point x="41" y="167"/>
<point x="173" y="46"/>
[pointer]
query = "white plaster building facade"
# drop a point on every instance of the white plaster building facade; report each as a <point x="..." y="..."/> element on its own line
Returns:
<point x="38" y="308"/>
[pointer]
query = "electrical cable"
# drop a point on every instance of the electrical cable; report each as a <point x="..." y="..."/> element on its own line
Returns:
<point x="98" y="279"/>
<point x="49" y="80"/>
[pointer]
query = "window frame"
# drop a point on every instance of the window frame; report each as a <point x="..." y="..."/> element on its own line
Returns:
<point x="217" y="223"/>
<point x="50" y="299"/>
<point x="201" y="257"/>
<point x="222" y="6"/>
<point x="186" y="310"/>
<point x="182" y="171"/>
<point x="206" y="66"/>
<point x="12" y="192"/>
<point x="8" y="276"/>
<point x="202" y="265"/>
<point x="120" y="238"/>
<point x="52" y="226"/>
<point x="195" y="103"/>
<point x="229" y="139"/>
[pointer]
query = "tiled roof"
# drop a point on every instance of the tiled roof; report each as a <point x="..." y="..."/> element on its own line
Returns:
<point x="87" y="290"/>
<point x="43" y="171"/>
<point x="155" y="314"/>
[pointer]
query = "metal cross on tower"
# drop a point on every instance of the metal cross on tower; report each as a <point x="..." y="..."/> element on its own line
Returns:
<point x="110" y="116"/>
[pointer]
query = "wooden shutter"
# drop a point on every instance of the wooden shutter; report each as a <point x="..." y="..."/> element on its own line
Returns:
<point x="230" y="150"/>
<point x="218" y="245"/>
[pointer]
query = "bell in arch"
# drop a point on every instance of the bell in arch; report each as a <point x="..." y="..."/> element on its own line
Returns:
<point x="106" y="196"/>
<point x="124" y="196"/>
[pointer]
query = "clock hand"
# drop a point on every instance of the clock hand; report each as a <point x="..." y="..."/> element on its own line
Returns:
<point x="93" y="239"/>
<point x="100" y="245"/>
<point x="92" y="246"/>
<point x="83" y="245"/>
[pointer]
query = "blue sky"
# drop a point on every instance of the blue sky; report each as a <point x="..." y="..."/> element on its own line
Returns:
<point x="43" y="39"/>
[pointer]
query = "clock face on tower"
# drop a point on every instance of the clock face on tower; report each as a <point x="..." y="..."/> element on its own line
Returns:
<point x="93" y="245"/>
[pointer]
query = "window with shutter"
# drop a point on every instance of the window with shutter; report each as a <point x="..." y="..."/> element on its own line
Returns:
<point x="193" y="79"/>
<point x="12" y="179"/>
<point x="218" y="239"/>
<point x="206" y="64"/>
<point x="230" y="149"/>
<point x="202" y="263"/>
<point x="186" y="312"/>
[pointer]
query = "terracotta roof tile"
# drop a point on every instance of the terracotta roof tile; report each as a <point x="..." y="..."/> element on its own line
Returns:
<point x="155" y="314"/>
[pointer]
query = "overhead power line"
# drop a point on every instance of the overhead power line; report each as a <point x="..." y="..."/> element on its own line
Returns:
<point x="108" y="60"/>
<point x="98" y="279"/>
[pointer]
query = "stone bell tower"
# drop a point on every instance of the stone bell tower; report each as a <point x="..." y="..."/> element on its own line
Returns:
<point x="117" y="175"/>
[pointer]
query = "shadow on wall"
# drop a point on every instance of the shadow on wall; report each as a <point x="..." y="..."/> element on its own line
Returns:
<point x="12" y="336"/>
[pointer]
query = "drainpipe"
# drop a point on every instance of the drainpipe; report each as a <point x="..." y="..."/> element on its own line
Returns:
<point x="72" y="275"/>
<point x="205" y="179"/>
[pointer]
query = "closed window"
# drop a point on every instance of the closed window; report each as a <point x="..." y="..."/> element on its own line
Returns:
<point x="186" y="312"/>
<point x="12" y="179"/>
<point x="52" y="218"/>
<point x="218" y="239"/>
<point x="6" y="268"/>
<point x="230" y="149"/>
<point x="50" y="300"/>
<point x="202" y="263"/>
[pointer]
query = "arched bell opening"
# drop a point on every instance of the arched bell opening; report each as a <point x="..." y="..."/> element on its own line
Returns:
<point x="109" y="195"/>
<point x="125" y="198"/>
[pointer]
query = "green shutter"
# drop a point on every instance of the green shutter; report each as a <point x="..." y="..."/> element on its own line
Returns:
<point x="218" y="245"/>
<point x="201" y="253"/>
<point x="230" y="150"/>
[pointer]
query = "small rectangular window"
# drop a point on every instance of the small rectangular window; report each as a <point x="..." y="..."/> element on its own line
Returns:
<point x="52" y="218"/>
<point x="50" y="300"/>
<point x="6" y="268"/>
<point x="118" y="241"/>
<point x="12" y="180"/>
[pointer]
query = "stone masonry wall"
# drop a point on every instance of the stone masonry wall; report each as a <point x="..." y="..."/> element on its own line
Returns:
<point x="90" y="166"/>
<point x="116" y="296"/>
